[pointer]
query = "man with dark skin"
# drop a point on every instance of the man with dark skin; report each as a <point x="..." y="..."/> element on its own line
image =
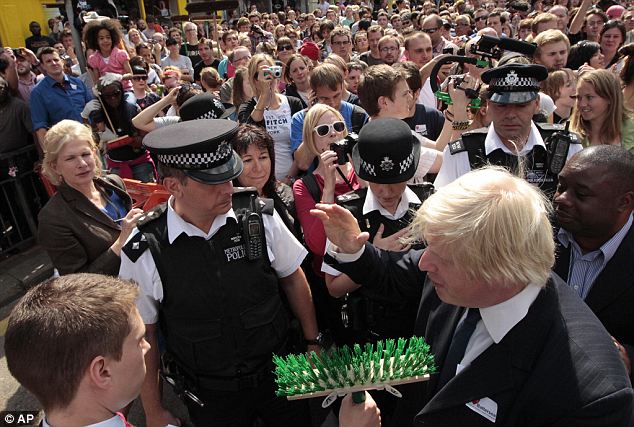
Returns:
<point x="37" y="40"/>
<point x="593" y="205"/>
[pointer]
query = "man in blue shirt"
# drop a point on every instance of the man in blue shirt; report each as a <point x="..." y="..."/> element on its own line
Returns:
<point x="327" y="83"/>
<point x="57" y="97"/>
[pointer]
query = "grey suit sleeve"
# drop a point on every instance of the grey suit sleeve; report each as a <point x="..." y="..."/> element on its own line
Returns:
<point x="393" y="275"/>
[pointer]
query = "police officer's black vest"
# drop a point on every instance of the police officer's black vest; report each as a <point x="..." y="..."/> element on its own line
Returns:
<point x="536" y="161"/>
<point x="369" y="315"/>
<point x="221" y="313"/>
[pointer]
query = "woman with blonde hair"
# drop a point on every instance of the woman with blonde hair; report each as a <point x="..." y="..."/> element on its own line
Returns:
<point x="600" y="117"/>
<point x="271" y="111"/>
<point x="323" y="125"/>
<point x="86" y="223"/>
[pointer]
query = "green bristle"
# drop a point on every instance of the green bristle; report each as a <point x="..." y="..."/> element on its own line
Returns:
<point x="389" y="360"/>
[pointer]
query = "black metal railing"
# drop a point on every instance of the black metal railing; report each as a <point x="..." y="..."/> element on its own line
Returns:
<point x="22" y="195"/>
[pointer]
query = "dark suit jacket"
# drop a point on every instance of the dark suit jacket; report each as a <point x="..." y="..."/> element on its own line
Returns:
<point x="611" y="297"/>
<point x="76" y="234"/>
<point x="557" y="366"/>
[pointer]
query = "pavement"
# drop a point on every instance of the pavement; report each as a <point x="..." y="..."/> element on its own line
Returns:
<point x="22" y="271"/>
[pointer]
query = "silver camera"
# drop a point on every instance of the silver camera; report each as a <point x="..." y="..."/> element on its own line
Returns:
<point x="275" y="71"/>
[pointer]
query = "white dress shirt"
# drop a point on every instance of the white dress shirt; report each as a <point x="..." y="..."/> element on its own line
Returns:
<point x="285" y="253"/>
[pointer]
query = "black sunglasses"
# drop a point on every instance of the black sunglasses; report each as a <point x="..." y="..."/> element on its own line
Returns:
<point x="482" y="18"/>
<point x="139" y="78"/>
<point x="430" y="30"/>
<point x="284" y="47"/>
<point x="323" y="130"/>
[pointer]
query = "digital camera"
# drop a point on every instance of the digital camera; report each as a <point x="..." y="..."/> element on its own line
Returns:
<point x="275" y="71"/>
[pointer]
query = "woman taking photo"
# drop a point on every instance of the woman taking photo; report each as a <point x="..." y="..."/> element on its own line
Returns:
<point x="323" y="125"/>
<point x="256" y="149"/>
<point x="86" y="223"/>
<point x="271" y="111"/>
<point x="600" y="117"/>
<point x="296" y="75"/>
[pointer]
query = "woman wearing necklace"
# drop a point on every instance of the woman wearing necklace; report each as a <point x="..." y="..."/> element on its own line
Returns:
<point x="85" y="224"/>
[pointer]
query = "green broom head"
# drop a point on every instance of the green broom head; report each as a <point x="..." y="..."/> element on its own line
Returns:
<point x="342" y="370"/>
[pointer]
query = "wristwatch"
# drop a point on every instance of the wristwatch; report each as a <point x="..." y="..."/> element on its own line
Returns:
<point x="319" y="340"/>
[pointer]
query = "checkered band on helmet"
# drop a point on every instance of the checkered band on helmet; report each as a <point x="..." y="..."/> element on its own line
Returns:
<point x="514" y="84"/>
<point x="211" y="114"/>
<point x="368" y="167"/>
<point x="406" y="163"/>
<point x="197" y="160"/>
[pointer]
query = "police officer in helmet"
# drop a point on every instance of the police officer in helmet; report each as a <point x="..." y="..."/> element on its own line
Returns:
<point x="209" y="265"/>
<point x="513" y="94"/>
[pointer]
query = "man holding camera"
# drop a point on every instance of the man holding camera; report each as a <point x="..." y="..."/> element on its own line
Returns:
<point x="512" y="140"/>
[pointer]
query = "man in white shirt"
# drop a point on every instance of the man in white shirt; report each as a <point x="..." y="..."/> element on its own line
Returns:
<point x="210" y="264"/>
<point x="513" y="100"/>
<point x="506" y="334"/>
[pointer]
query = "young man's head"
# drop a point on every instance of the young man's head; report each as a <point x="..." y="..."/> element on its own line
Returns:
<point x="495" y="21"/>
<point x="411" y="74"/>
<point x="88" y="330"/>
<point x="383" y="92"/>
<point x="418" y="48"/>
<point x="552" y="49"/>
<point x="375" y="32"/>
<point x="355" y="69"/>
<point x="326" y="80"/>
<point x="341" y="42"/>
<point x="389" y="49"/>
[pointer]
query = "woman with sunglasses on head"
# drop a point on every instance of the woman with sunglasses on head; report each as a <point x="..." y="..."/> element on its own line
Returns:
<point x="323" y="125"/>
<point x="271" y="111"/>
<point x="611" y="38"/>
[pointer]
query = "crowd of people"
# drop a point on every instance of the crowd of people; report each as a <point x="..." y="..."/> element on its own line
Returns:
<point x="365" y="136"/>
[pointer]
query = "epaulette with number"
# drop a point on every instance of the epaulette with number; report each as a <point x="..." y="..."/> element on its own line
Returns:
<point x="468" y="141"/>
<point x="138" y="243"/>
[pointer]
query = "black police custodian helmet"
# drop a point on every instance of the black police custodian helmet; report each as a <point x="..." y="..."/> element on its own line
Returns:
<point x="200" y="148"/>
<point x="514" y="83"/>
<point x="387" y="152"/>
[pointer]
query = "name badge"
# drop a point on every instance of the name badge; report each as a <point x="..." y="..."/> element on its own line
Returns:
<point x="421" y="129"/>
<point x="485" y="407"/>
<point x="235" y="253"/>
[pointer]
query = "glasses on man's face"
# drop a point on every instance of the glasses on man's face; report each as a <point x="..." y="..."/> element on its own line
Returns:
<point x="430" y="30"/>
<point x="112" y="94"/>
<point x="482" y="18"/>
<point x="139" y="78"/>
<point x="284" y="47"/>
<point x="323" y="130"/>
<point x="341" y="43"/>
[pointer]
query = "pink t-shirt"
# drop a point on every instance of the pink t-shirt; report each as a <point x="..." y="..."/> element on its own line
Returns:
<point x="112" y="64"/>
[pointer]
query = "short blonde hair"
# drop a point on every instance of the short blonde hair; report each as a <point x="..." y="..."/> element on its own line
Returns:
<point x="312" y="117"/>
<point x="57" y="137"/>
<point x="548" y="37"/>
<point x="493" y="225"/>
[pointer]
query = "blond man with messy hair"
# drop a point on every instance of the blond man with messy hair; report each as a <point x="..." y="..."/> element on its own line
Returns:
<point x="507" y="335"/>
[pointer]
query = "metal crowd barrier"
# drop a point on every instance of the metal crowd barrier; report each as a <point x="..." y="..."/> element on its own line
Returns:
<point x="22" y="195"/>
